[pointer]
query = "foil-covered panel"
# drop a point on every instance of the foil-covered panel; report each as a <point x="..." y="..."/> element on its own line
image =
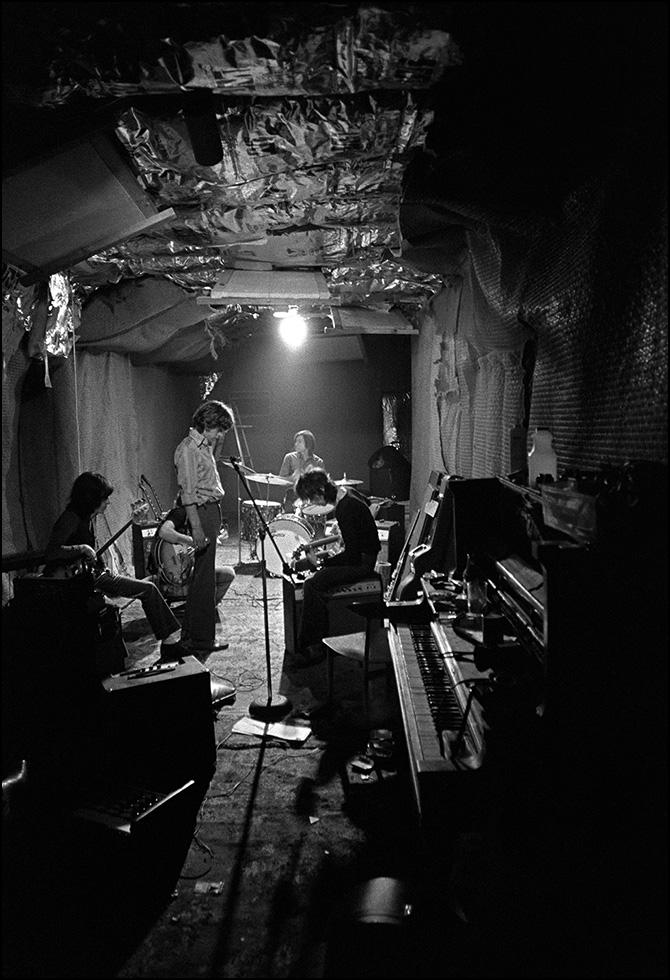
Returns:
<point x="384" y="281"/>
<point x="371" y="49"/>
<point x="64" y="316"/>
<point x="17" y="303"/>
<point x="49" y="311"/>
<point x="280" y="150"/>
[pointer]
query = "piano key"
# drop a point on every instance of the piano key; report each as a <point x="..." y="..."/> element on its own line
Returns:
<point x="433" y="701"/>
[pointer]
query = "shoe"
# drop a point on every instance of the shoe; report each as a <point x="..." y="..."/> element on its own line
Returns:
<point x="222" y="690"/>
<point x="172" y="652"/>
<point x="208" y="648"/>
<point x="311" y="655"/>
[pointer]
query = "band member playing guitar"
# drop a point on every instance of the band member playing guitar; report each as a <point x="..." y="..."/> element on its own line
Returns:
<point x="356" y="561"/>
<point x="73" y="539"/>
<point x="172" y="558"/>
<point x="201" y="493"/>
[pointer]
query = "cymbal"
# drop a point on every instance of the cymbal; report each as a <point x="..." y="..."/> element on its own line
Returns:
<point x="270" y="478"/>
<point x="348" y="483"/>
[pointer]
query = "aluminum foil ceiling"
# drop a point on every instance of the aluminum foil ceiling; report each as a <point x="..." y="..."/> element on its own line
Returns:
<point x="317" y="119"/>
<point x="316" y="123"/>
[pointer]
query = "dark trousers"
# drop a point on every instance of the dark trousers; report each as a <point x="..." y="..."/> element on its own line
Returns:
<point x="316" y="592"/>
<point x="157" y="611"/>
<point x="199" y="624"/>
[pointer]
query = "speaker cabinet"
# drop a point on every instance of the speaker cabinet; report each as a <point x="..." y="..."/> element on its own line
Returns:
<point x="159" y="725"/>
<point x="143" y="536"/>
<point x="341" y="619"/>
<point x="77" y="200"/>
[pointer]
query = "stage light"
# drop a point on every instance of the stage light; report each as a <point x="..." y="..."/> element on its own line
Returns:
<point x="292" y="328"/>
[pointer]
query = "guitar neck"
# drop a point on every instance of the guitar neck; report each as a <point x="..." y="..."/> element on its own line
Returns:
<point x="320" y="541"/>
<point x="113" y="538"/>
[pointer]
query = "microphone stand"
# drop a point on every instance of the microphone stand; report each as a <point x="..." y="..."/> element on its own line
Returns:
<point x="278" y="706"/>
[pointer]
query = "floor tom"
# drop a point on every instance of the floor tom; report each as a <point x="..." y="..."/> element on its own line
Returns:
<point x="250" y="522"/>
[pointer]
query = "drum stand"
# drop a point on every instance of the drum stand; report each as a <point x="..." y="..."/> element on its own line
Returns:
<point x="238" y="429"/>
<point x="277" y="706"/>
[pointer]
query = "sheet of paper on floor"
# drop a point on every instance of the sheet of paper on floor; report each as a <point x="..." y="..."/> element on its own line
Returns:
<point x="291" y="733"/>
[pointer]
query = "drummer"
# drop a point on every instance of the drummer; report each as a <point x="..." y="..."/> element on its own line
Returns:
<point x="294" y="465"/>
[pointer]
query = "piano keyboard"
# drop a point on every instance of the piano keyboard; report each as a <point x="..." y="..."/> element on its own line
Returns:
<point x="120" y="807"/>
<point x="442" y="701"/>
<point x="433" y="703"/>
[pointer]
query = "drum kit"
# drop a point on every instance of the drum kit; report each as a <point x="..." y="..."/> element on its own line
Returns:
<point x="292" y="533"/>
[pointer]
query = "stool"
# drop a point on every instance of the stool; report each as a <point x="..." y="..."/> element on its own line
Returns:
<point x="355" y="646"/>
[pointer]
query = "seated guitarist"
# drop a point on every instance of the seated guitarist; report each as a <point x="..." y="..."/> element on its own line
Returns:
<point x="73" y="540"/>
<point x="355" y="562"/>
<point x="176" y="530"/>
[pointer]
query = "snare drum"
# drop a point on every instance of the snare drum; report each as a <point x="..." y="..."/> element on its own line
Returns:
<point x="250" y="523"/>
<point x="288" y="532"/>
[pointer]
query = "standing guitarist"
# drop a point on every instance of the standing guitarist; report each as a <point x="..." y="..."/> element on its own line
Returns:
<point x="173" y="555"/>
<point x="201" y="493"/>
<point x="72" y="542"/>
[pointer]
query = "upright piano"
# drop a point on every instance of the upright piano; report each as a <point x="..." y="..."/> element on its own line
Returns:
<point x="542" y="728"/>
<point x="560" y="672"/>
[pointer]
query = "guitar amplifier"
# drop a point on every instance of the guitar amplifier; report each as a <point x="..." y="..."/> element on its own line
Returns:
<point x="391" y="539"/>
<point x="143" y="535"/>
<point x="159" y="720"/>
<point x="341" y="619"/>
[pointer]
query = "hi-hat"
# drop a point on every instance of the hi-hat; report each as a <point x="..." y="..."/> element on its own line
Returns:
<point x="270" y="478"/>
<point x="347" y="483"/>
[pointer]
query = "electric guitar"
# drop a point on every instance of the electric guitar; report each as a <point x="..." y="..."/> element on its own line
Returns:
<point x="174" y="563"/>
<point x="310" y="546"/>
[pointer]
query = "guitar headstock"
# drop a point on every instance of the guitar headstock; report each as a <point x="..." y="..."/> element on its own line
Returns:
<point x="140" y="512"/>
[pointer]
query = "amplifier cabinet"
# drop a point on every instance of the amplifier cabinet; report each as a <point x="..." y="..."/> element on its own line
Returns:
<point x="143" y="535"/>
<point x="160" y="725"/>
<point x="341" y="619"/>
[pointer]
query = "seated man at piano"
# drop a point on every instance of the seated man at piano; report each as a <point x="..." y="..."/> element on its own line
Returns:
<point x="353" y="563"/>
<point x="72" y="544"/>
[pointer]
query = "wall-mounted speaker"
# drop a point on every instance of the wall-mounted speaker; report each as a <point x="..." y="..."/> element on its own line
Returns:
<point x="77" y="200"/>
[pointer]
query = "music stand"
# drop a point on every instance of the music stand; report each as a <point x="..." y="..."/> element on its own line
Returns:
<point x="277" y="706"/>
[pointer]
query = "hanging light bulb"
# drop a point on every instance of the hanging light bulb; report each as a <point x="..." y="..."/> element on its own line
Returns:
<point x="292" y="327"/>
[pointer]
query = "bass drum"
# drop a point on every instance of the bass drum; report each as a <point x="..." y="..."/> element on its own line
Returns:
<point x="289" y="532"/>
